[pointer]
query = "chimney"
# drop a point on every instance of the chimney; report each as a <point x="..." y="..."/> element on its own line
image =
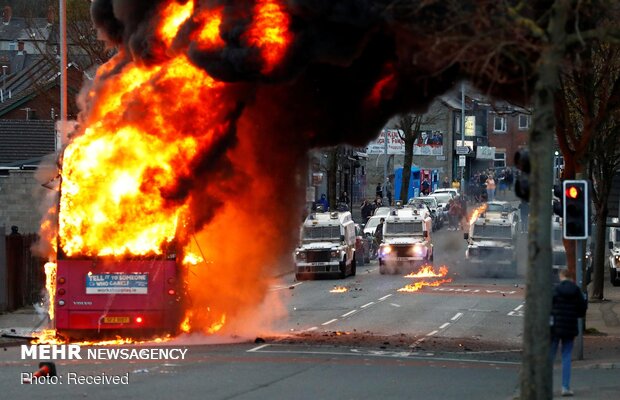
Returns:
<point x="7" y="13"/>
<point x="51" y="15"/>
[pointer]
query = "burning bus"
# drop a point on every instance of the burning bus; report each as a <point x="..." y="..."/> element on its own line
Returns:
<point x="131" y="296"/>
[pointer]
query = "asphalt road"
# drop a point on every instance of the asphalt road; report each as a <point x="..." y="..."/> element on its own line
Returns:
<point x="459" y="340"/>
<point x="484" y="308"/>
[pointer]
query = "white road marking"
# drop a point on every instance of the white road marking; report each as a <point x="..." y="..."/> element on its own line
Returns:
<point x="457" y="316"/>
<point x="349" y="313"/>
<point x="403" y="354"/>
<point x="384" y="297"/>
<point x="258" y="347"/>
<point x="330" y="321"/>
<point x="519" y="307"/>
<point x="314" y="328"/>
<point x="368" y="304"/>
<point x="431" y="333"/>
<point x="395" y="305"/>
<point x="444" y="325"/>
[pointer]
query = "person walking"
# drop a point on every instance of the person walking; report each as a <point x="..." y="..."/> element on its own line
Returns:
<point x="568" y="305"/>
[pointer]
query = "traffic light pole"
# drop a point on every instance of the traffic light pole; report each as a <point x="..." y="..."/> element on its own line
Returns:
<point x="579" y="280"/>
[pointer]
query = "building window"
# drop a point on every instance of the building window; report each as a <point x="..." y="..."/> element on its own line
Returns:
<point x="499" y="124"/>
<point x="500" y="160"/>
<point x="524" y="122"/>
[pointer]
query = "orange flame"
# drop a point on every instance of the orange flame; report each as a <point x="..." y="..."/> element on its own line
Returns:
<point x="476" y="213"/>
<point x="216" y="326"/>
<point x="270" y="32"/>
<point x="186" y="325"/>
<point x="339" y="289"/>
<point x="209" y="34"/>
<point x="419" y="285"/>
<point x="50" y="286"/>
<point x="426" y="271"/>
<point x="175" y="15"/>
<point x="145" y="131"/>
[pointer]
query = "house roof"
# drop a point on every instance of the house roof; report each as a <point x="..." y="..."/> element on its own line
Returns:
<point x="22" y="29"/>
<point x="40" y="75"/>
<point x="25" y="140"/>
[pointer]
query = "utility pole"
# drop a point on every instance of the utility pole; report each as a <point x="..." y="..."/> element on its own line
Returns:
<point x="61" y="129"/>
<point x="385" y="167"/>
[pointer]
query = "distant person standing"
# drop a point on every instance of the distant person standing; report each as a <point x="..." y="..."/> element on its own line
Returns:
<point x="425" y="187"/>
<point x="490" y="188"/>
<point x="445" y="183"/>
<point x="366" y="209"/>
<point x="379" y="191"/>
<point x="568" y="305"/>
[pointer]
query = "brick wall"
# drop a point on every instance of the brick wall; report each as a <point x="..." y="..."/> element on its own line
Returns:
<point x="509" y="141"/>
<point x="21" y="198"/>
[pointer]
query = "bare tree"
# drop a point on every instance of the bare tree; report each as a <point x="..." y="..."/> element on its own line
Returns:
<point x="409" y="127"/>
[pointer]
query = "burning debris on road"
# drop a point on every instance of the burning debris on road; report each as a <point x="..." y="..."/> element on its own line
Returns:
<point x="426" y="271"/>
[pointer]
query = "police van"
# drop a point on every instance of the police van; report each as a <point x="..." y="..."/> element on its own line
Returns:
<point x="406" y="240"/>
<point x="327" y="246"/>
<point x="491" y="242"/>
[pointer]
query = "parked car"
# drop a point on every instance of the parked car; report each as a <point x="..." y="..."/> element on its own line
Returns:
<point x="453" y="192"/>
<point x="430" y="203"/>
<point x="382" y="212"/>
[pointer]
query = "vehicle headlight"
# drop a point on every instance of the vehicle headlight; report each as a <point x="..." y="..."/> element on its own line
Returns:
<point x="334" y="254"/>
<point x="387" y="249"/>
<point x="419" y="250"/>
<point x="301" y="255"/>
<point x="617" y="259"/>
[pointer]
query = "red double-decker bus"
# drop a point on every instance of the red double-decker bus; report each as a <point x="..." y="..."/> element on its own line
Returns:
<point x="98" y="297"/>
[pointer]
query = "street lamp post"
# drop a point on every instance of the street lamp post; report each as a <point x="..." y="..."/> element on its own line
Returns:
<point x="463" y="135"/>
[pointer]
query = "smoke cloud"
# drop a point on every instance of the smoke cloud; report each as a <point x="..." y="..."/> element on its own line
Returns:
<point x="348" y="66"/>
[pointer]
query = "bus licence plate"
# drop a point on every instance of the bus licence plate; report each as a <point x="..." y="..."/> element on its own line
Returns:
<point x="115" y="320"/>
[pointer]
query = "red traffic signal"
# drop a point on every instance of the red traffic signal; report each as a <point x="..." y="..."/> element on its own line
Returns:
<point x="573" y="192"/>
<point x="575" y="210"/>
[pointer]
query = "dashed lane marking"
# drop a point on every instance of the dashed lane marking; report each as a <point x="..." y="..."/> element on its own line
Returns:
<point x="330" y="321"/>
<point x="457" y="316"/>
<point x="349" y="313"/>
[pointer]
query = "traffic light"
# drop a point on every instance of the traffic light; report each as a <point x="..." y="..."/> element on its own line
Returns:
<point x="575" y="209"/>
<point x="522" y="183"/>
<point x="557" y="200"/>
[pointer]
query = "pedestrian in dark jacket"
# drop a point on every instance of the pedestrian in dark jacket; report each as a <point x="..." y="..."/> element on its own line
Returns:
<point x="568" y="305"/>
